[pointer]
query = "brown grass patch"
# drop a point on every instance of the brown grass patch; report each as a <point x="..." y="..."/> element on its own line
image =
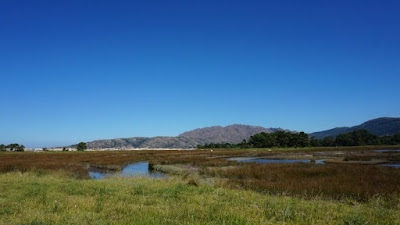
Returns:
<point x="310" y="180"/>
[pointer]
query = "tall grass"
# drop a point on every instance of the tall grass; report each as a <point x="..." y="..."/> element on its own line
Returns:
<point x="306" y="180"/>
<point x="55" y="198"/>
<point x="358" y="182"/>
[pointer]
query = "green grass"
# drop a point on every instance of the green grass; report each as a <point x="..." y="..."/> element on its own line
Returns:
<point x="56" y="198"/>
<point x="50" y="188"/>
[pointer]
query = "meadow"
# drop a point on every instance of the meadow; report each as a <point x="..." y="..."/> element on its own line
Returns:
<point x="203" y="188"/>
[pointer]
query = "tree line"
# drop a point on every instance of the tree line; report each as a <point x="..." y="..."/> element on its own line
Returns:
<point x="20" y="148"/>
<point x="282" y="139"/>
<point x="356" y="138"/>
<point x="12" y="147"/>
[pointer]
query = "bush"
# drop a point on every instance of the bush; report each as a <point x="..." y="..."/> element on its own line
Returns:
<point x="81" y="146"/>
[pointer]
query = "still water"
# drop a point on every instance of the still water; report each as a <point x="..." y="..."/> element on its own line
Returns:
<point x="135" y="169"/>
<point x="264" y="161"/>
<point x="388" y="150"/>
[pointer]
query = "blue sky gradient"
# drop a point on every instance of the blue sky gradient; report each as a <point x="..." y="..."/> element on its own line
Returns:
<point x="76" y="71"/>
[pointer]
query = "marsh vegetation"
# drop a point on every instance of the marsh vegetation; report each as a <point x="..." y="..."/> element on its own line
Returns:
<point x="202" y="187"/>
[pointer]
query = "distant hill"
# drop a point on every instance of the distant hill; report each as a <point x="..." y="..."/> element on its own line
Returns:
<point x="216" y="134"/>
<point x="229" y="134"/>
<point x="380" y="126"/>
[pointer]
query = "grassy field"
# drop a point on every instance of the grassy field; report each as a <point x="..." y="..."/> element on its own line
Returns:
<point x="204" y="188"/>
<point x="56" y="198"/>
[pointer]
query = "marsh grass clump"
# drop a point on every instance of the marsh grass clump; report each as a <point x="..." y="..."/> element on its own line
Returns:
<point x="193" y="182"/>
<point x="359" y="182"/>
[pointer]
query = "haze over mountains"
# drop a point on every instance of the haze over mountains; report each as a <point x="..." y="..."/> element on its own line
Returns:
<point x="235" y="134"/>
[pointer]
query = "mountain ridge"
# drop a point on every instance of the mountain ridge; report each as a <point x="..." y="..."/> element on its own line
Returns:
<point x="234" y="133"/>
<point x="380" y="126"/>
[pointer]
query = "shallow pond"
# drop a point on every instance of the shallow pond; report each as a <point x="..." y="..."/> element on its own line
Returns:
<point x="388" y="150"/>
<point x="135" y="169"/>
<point x="264" y="161"/>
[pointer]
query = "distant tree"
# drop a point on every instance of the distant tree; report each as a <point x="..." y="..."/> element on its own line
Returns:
<point x="364" y="137"/>
<point x="283" y="139"/>
<point x="387" y="140"/>
<point x="345" y="140"/>
<point x="396" y="139"/>
<point x="302" y="140"/>
<point x="81" y="146"/>
<point x="290" y="139"/>
<point x="15" y="147"/>
<point x="2" y="148"/>
<point x="315" y="142"/>
<point x="45" y="149"/>
<point x="357" y="138"/>
<point x="20" y="148"/>
<point x="12" y="147"/>
<point x="243" y="144"/>
<point x="64" y="149"/>
<point x="279" y="139"/>
<point x="328" y="141"/>
<point x="260" y="140"/>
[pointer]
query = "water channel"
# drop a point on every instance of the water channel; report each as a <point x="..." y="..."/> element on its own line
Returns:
<point x="140" y="169"/>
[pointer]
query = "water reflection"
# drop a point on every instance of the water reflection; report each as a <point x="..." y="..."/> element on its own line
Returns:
<point x="388" y="150"/>
<point x="136" y="169"/>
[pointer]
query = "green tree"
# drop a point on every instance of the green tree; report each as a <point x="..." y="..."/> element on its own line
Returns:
<point x="387" y="140"/>
<point x="20" y="148"/>
<point x="2" y="148"/>
<point x="357" y="138"/>
<point x="81" y="146"/>
<point x="328" y="141"/>
<point x="315" y="142"/>
<point x="282" y="138"/>
<point x="259" y="140"/>
<point x="12" y="147"/>
<point x="243" y="144"/>
<point x="396" y="139"/>
<point x="303" y="140"/>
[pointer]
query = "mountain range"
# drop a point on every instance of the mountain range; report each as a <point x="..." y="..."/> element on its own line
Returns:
<point x="190" y="139"/>
<point x="380" y="126"/>
<point x="235" y="134"/>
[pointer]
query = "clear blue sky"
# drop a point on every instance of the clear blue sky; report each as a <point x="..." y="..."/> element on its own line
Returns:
<point x="75" y="71"/>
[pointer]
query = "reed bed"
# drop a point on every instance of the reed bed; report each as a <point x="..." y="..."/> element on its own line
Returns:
<point x="358" y="182"/>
